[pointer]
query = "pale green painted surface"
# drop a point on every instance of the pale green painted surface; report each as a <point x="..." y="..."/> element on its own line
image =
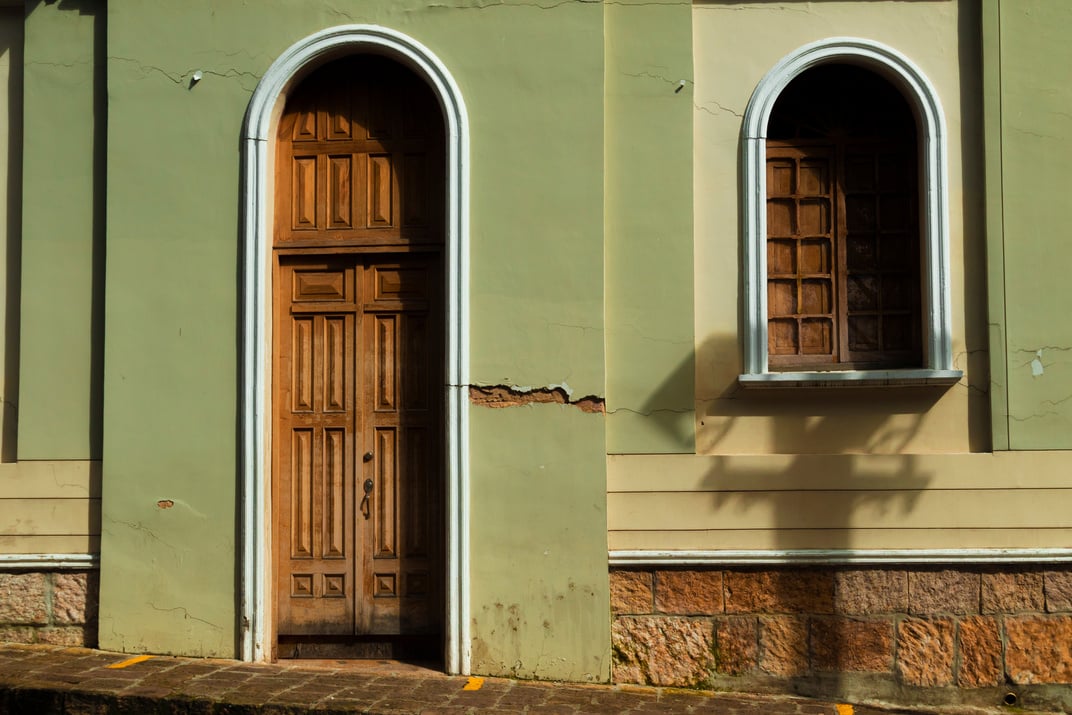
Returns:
<point x="649" y="236"/>
<point x="59" y="388"/>
<point x="1036" y="123"/>
<point x="539" y="561"/>
<point x="532" y="81"/>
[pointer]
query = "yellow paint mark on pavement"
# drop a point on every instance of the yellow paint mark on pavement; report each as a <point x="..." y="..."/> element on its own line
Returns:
<point x="474" y="684"/>
<point x="843" y="709"/>
<point x="129" y="661"/>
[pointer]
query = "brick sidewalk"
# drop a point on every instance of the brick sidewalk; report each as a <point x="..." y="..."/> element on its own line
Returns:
<point x="50" y="679"/>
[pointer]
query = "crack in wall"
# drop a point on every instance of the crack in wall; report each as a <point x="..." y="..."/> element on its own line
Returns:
<point x="653" y="411"/>
<point x="182" y="78"/>
<point x="138" y="526"/>
<point x="506" y="396"/>
<point x="722" y="109"/>
<point x="185" y="613"/>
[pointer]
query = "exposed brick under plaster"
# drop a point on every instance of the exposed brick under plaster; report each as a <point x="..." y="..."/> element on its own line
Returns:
<point x="943" y="634"/>
<point x="505" y="396"/>
<point x="59" y="608"/>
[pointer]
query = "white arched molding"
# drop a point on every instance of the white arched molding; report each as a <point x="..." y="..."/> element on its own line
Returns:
<point x="258" y="137"/>
<point x="931" y="130"/>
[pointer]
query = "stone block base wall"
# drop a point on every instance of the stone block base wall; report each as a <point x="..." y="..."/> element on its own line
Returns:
<point x="59" y="608"/>
<point x="917" y="635"/>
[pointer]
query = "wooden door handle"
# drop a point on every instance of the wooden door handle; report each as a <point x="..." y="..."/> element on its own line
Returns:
<point x="365" y="499"/>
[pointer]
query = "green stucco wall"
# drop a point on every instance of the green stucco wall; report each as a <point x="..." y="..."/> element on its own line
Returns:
<point x="540" y="607"/>
<point x="649" y="237"/>
<point x="62" y="235"/>
<point x="1029" y="119"/>
<point x="532" y="79"/>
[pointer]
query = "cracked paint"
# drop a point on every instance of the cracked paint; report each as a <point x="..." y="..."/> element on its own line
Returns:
<point x="183" y="78"/>
<point x="185" y="614"/>
<point x="507" y="396"/>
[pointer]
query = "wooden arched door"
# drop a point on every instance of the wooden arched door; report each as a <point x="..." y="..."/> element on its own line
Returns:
<point x="358" y="349"/>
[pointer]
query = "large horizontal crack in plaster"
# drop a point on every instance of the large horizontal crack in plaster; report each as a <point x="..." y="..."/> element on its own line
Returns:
<point x="506" y="396"/>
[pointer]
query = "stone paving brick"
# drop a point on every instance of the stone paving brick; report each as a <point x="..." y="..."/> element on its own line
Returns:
<point x="523" y="698"/>
<point x="736" y="644"/>
<point x="1012" y="592"/>
<point x="851" y="645"/>
<point x="24" y="598"/>
<point x="66" y="635"/>
<point x="1058" y="591"/>
<point x="17" y="634"/>
<point x="69" y="597"/>
<point x="688" y="592"/>
<point x="1039" y="649"/>
<point x="783" y="645"/>
<point x="630" y="592"/>
<point x="943" y="591"/>
<point x="870" y="591"/>
<point x="925" y="651"/>
<point x="980" y="652"/>
<point x="338" y="691"/>
<point x="772" y="592"/>
<point x="662" y="650"/>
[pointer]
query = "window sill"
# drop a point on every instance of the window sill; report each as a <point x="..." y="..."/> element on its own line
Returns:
<point x="851" y="378"/>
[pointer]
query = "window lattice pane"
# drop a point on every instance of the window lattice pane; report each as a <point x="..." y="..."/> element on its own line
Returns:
<point x="843" y="253"/>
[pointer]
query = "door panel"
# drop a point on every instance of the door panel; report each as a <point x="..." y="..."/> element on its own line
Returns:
<point x="357" y="481"/>
<point x="360" y="158"/>
<point x="403" y="439"/>
<point x="356" y="407"/>
<point x="314" y="440"/>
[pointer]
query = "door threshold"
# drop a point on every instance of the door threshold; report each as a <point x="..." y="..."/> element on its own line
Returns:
<point x="423" y="650"/>
<point x="367" y="666"/>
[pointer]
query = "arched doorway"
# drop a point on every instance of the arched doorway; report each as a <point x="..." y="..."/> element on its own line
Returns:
<point x="256" y="617"/>
<point x="357" y="474"/>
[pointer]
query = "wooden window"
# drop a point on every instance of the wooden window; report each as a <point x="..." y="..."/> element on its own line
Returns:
<point x="843" y="228"/>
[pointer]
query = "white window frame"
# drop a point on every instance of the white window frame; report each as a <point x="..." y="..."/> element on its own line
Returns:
<point x="934" y="224"/>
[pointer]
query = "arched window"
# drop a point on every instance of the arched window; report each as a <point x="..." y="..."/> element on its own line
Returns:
<point x="842" y="227"/>
<point x="845" y="230"/>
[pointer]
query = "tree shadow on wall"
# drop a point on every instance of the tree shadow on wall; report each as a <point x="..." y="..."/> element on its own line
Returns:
<point x="794" y="478"/>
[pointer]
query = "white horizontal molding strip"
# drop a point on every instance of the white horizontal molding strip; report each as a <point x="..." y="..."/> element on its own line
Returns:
<point x="838" y="556"/>
<point x="49" y="562"/>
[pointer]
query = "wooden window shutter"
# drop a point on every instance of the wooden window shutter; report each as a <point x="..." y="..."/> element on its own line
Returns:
<point x="843" y="254"/>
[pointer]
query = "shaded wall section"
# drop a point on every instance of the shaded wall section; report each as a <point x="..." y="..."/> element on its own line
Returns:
<point x="63" y="232"/>
<point x="11" y="71"/>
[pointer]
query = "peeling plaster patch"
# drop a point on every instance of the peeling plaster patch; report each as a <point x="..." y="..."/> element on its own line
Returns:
<point x="1036" y="365"/>
<point x="507" y="396"/>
